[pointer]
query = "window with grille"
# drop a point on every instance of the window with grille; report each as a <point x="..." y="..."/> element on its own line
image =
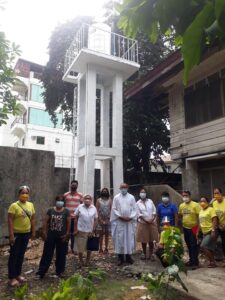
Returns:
<point x="40" y="140"/>
<point x="204" y="101"/>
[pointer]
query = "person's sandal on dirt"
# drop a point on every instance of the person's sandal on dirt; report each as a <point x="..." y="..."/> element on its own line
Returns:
<point x="21" y="279"/>
<point x="143" y="257"/>
<point x="13" y="283"/>
<point x="151" y="258"/>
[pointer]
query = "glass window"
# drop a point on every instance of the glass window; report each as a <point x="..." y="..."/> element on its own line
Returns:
<point x="40" y="140"/>
<point x="36" y="93"/>
<point x="203" y="103"/>
<point x="42" y="118"/>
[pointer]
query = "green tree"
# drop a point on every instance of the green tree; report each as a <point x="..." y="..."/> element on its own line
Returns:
<point x="197" y="24"/>
<point x="8" y="104"/>
<point x="146" y="137"/>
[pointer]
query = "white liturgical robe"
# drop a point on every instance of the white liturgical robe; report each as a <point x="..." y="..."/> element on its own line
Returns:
<point x="123" y="233"/>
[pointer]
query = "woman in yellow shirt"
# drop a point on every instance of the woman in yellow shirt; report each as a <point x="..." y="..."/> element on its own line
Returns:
<point x="208" y="223"/>
<point x="218" y="204"/>
<point x="21" y="224"/>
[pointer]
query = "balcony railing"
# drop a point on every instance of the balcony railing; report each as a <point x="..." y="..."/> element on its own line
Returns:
<point x="18" y="120"/>
<point x="102" y="41"/>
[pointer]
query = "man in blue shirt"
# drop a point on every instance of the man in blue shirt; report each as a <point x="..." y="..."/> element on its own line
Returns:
<point x="167" y="209"/>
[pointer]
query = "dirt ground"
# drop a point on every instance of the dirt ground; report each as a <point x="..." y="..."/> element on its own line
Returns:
<point x="108" y="263"/>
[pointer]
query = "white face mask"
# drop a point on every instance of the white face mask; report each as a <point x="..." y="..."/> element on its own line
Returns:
<point x="186" y="199"/>
<point x="165" y="199"/>
<point x="142" y="195"/>
<point x="123" y="191"/>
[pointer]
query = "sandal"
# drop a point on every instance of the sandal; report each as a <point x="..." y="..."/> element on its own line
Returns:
<point x="151" y="258"/>
<point x="106" y="251"/>
<point x="13" y="283"/>
<point x="143" y="257"/>
<point x="21" y="279"/>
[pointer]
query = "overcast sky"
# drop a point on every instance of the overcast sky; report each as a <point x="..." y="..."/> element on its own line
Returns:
<point x="29" y="23"/>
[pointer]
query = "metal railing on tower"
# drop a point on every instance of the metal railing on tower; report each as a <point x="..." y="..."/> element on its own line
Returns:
<point x="102" y="41"/>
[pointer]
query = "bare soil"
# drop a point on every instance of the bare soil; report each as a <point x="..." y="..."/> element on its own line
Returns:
<point x="108" y="263"/>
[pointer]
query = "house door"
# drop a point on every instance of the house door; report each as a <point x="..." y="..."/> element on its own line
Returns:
<point x="210" y="178"/>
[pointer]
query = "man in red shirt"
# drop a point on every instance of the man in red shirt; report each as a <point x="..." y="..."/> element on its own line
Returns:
<point x="72" y="200"/>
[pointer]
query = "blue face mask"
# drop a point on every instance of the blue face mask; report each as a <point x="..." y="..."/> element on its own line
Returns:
<point x="59" y="204"/>
<point x="123" y="191"/>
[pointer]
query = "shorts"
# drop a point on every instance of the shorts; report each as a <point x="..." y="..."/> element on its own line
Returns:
<point x="81" y="239"/>
<point x="147" y="233"/>
<point x="208" y="242"/>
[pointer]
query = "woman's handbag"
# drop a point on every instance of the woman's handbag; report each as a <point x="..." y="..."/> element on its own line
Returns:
<point x="93" y="243"/>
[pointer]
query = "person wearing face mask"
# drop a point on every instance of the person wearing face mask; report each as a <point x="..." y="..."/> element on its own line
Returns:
<point x="219" y="206"/>
<point x="72" y="200"/>
<point x="85" y="225"/>
<point x="147" y="231"/>
<point x="208" y="223"/>
<point x="104" y="206"/>
<point x="188" y="214"/>
<point x="167" y="209"/>
<point x="56" y="229"/>
<point x="21" y="224"/>
<point x="123" y="224"/>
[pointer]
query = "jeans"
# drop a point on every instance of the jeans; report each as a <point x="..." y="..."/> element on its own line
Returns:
<point x="16" y="256"/>
<point x="50" y="245"/>
<point x="221" y="233"/>
<point x="191" y="241"/>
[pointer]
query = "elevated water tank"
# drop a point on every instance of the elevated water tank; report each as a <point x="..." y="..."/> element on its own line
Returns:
<point x="99" y="38"/>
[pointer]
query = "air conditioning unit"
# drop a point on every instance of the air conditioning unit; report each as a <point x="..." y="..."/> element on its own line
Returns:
<point x="33" y="137"/>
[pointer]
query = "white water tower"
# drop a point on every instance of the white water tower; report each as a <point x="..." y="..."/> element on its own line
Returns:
<point x="103" y="60"/>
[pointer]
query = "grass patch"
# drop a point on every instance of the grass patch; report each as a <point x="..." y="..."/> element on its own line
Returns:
<point x="118" y="290"/>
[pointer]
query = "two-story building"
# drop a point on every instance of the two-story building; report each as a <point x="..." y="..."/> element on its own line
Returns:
<point x="197" y="117"/>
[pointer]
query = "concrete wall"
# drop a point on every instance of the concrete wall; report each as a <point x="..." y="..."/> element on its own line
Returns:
<point x="154" y="192"/>
<point x="34" y="168"/>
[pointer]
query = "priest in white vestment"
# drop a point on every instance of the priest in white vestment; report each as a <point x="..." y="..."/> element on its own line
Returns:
<point x="123" y="224"/>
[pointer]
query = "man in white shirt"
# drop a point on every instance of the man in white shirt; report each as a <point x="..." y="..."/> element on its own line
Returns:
<point x="123" y="221"/>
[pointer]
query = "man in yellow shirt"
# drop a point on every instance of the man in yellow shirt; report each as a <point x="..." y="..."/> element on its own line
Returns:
<point x="21" y="224"/>
<point x="188" y="213"/>
<point x="219" y="206"/>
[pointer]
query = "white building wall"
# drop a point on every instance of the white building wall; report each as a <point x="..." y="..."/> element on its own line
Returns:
<point x="56" y="139"/>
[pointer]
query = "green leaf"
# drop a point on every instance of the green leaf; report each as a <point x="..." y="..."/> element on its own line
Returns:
<point x="194" y="38"/>
<point x="181" y="283"/>
<point x="154" y="32"/>
<point x="220" y="13"/>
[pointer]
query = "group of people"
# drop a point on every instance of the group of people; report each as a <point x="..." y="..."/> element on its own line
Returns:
<point x="74" y="217"/>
